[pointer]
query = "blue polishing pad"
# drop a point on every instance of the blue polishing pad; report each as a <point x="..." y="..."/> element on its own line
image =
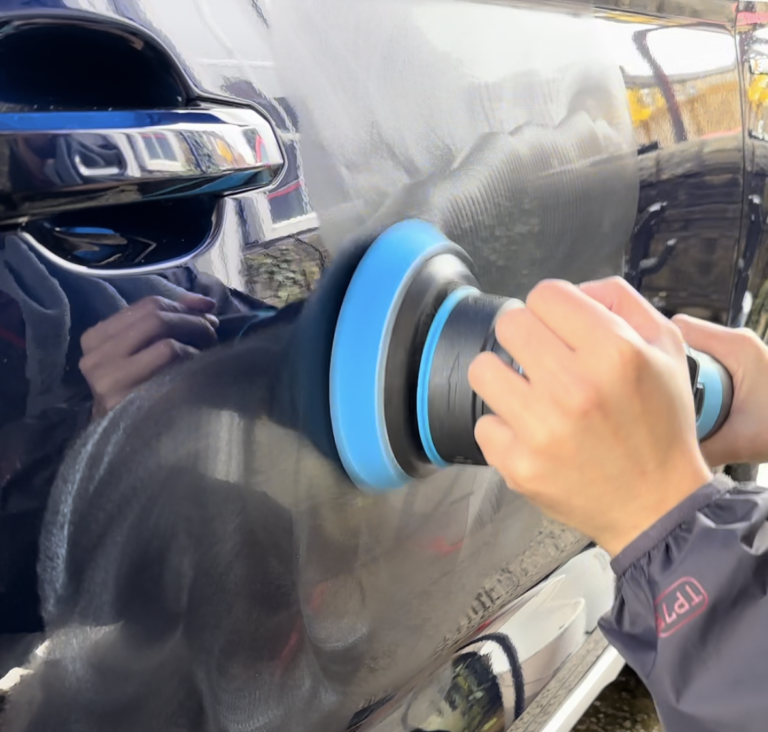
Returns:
<point x="361" y="343"/>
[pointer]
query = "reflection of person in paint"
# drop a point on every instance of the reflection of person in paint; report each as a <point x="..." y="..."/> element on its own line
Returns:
<point x="607" y="400"/>
<point x="72" y="349"/>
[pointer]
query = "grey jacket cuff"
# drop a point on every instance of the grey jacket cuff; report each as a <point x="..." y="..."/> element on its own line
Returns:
<point x="681" y="513"/>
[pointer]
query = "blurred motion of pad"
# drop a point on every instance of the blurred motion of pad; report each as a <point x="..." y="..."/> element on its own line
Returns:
<point x="396" y="92"/>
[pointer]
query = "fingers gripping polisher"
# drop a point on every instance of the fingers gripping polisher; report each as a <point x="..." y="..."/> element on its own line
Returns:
<point x="412" y="321"/>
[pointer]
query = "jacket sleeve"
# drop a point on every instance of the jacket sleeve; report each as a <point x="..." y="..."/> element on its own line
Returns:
<point x="691" y="613"/>
<point x="228" y="300"/>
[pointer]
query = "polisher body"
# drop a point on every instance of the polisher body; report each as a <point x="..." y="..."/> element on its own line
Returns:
<point x="413" y="319"/>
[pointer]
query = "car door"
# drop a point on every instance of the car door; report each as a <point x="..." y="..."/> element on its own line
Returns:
<point x="201" y="558"/>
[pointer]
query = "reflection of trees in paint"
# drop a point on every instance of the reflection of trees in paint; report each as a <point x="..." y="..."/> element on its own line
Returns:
<point x="200" y="149"/>
<point x="706" y="104"/>
<point x="286" y="271"/>
<point x="472" y="702"/>
<point x="641" y="42"/>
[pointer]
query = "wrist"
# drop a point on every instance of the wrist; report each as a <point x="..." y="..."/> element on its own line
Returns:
<point x="664" y="498"/>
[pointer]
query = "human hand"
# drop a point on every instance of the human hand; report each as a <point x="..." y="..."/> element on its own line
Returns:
<point x="602" y="433"/>
<point x="744" y="436"/>
<point x="128" y="349"/>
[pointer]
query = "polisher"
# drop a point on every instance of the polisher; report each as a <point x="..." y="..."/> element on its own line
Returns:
<point x="412" y="321"/>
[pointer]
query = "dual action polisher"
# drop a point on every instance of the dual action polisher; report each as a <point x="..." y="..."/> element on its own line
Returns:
<point x="412" y="321"/>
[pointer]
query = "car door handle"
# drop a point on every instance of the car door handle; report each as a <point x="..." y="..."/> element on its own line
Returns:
<point x="60" y="161"/>
<point x="95" y="172"/>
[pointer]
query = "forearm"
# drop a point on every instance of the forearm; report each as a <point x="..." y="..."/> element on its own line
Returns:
<point x="691" y="611"/>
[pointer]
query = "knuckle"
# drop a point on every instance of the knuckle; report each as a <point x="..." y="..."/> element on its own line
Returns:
<point x="577" y="397"/>
<point x="490" y="437"/>
<point x="209" y="332"/>
<point x="475" y="374"/>
<point x="102" y="389"/>
<point x="538" y="441"/>
<point x="481" y="369"/>
<point x="169" y="349"/>
<point x="512" y="314"/>
<point x="624" y="357"/>
<point x="87" y="365"/>
<point x="90" y="339"/>
<point x="746" y="337"/>
<point x="159" y="321"/>
<point x="618" y="289"/>
<point x="153" y="302"/>
<point x="541" y="436"/>
<point x="542" y="292"/>
<point x="172" y="350"/>
<point x="671" y="331"/>
<point x="484" y="435"/>
<point x="618" y="283"/>
<point x="584" y="401"/>
<point x="524" y="471"/>
<point x="667" y="332"/>
<point x="511" y="323"/>
<point x="504" y="325"/>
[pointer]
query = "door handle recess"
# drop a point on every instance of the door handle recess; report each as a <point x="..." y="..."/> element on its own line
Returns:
<point x="55" y="162"/>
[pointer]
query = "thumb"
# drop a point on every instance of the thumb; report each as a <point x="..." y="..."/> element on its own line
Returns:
<point x="714" y="340"/>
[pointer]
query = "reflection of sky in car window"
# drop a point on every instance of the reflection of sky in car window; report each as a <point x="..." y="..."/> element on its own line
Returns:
<point x="474" y="33"/>
<point x="760" y="41"/>
<point x="679" y="51"/>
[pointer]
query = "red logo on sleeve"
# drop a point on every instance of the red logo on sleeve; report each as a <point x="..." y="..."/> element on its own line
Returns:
<point x="680" y="604"/>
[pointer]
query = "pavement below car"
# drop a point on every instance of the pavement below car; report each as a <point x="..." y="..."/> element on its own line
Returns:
<point x="625" y="706"/>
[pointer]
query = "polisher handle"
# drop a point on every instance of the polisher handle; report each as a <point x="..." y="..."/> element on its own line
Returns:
<point x="711" y="383"/>
<point x="713" y="392"/>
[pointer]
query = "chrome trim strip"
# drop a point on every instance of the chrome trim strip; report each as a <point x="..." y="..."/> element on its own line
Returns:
<point x="59" y="161"/>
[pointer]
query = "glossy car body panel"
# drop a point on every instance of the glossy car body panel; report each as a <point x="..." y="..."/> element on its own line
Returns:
<point x="608" y="134"/>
